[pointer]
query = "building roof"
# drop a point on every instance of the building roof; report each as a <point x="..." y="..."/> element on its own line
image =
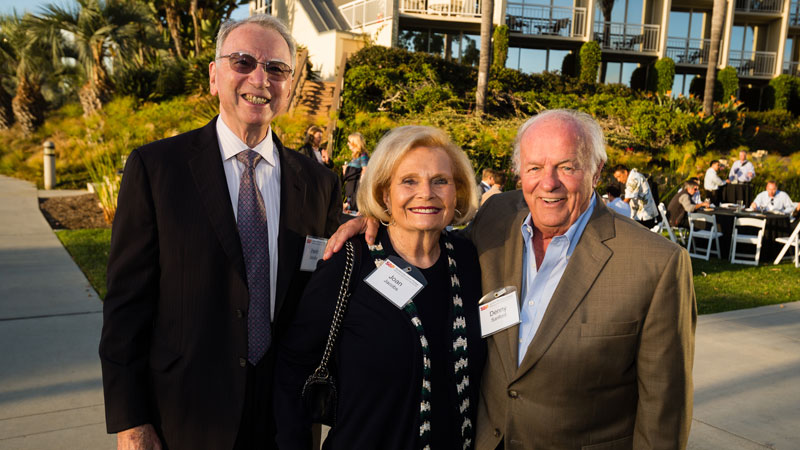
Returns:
<point x="325" y="15"/>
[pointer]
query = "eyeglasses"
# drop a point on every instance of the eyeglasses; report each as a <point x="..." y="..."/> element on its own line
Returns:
<point x="244" y="63"/>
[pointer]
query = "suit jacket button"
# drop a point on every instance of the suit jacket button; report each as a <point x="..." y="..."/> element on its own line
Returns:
<point x="242" y="362"/>
<point x="496" y="432"/>
<point x="239" y="314"/>
<point x="513" y="394"/>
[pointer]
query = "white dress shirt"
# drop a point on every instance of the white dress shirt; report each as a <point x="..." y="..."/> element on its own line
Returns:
<point x="539" y="284"/>
<point x="781" y="203"/>
<point x="742" y="172"/>
<point x="620" y="206"/>
<point x="268" y="180"/>
<point x="712" y="181"/>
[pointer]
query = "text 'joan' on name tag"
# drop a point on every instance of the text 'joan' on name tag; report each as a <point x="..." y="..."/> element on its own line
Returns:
<point x="394" y="283"/>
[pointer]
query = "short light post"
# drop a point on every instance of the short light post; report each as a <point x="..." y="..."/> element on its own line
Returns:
<point x="49" y="164"/>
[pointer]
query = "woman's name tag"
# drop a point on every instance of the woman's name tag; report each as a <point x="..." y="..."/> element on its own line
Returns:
<point x="498" y="310"/>
<point x="396" y="280"/>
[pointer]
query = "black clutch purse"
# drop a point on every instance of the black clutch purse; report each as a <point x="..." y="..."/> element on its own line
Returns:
<point x="319" y="390"/>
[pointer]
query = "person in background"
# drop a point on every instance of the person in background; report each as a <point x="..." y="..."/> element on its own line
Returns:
<point x="682" y="203"/>
<point x="638" y="195"/>
<point x="354" y="170"/>
<point x="312" y="147"/>
<point x="742" y="170"/>
<point x="408" y="376"/>
<point x="774" y="200"/>
<point x="487" y="180"/>
<point x="712" y="182"/>
<point x="498" y="179"/>
<point x="614" y="202"/>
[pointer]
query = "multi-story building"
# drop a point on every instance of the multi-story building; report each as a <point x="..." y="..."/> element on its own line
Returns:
<point x="760" y="38"/>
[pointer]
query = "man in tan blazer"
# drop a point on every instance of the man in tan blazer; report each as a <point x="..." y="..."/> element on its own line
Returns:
<point x="603" y="357"/>
<point x="609" y="363"/>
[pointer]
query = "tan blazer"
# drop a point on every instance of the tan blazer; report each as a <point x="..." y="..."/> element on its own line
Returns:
<point x="610" y="367"/>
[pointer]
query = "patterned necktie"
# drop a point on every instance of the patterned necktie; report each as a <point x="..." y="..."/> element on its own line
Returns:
<point x="252" y="223"/>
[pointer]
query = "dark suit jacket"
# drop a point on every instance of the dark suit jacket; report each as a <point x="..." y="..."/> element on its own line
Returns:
<point x="610" y="367"/>
<point x="174" y="338"/>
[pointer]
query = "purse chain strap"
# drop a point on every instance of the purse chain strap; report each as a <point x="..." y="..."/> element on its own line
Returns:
<point x="338" y="313"/>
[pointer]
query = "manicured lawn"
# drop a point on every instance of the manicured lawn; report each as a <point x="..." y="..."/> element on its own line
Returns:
<point x="89" y="249"/>
<point x="720" y="286"/>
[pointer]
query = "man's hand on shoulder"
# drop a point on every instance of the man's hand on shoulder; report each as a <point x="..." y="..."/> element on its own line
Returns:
<point x="143" y="437"/>
<point x="359" y="225"/>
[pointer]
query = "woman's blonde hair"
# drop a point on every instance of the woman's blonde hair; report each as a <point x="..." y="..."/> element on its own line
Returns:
<point x="362" y="144"/>
<point x="387" y="155"/>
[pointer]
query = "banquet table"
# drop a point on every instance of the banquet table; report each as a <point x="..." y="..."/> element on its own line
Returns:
<point x="778" y="225"/>
<point x="731" y="193"/>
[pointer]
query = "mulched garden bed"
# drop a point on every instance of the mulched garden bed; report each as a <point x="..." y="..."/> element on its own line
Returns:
<point x="73" y="213"/>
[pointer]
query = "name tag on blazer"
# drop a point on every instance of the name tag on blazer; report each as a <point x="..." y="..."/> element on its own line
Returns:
<point x="498" y="310"/>
<point x="312" y="253"/>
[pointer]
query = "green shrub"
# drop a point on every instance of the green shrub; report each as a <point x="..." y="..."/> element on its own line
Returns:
<point x="639" y="78"/>
<point x="730" y="82"/>
<point x="697" y="87"/>
<point x="500" y="43"/>
<point x="590" y="61"/>
<point x="570" y="65"/>
<point x="784" y="93"/>
<point x="665" y="75"/>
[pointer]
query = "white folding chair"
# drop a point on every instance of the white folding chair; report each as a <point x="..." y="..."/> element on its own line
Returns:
<point x="708" y="232"/>
<point x="664" y="225"/>
<point x="737" y="239"/>
<point x="788" y="242"/>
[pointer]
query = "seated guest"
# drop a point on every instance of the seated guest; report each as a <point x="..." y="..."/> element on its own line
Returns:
<point x="712" y="182"/>
<point x="498" y="180"/>
<point x="312" y="147"/>
<point x="682" y="203"/>
<point x="638" y="195"/>
<point x="408" y="375"/>
<point x="773" y="200"/>
<point x="616" y="203"/>
<point x="742" y="170"/>
<point x="696" y="198"/>
<point x="487" y="180"/>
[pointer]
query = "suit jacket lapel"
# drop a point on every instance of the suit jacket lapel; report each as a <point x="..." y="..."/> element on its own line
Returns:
<point x="290" y="243"/>
<point x="212" y="188"/>
<point x="508" y="339"/>
<point x="585" y="265"/>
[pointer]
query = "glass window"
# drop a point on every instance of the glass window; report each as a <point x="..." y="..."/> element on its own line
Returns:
<point x="512" y="62"/>
<point x="532" y="60"/>
<point x="613" y="72"/>
<point x="556" y="59"/>
<point x="471" y="50"/>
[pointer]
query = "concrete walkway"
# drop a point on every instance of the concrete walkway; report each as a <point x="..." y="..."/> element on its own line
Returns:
<point x="747" y="363"/>
<point x="50" y="318"/>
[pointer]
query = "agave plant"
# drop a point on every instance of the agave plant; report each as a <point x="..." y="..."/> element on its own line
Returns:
<point x="98" y="32"/>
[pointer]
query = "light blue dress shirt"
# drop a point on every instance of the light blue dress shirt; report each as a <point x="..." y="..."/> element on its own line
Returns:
<point x="539" y="285"/>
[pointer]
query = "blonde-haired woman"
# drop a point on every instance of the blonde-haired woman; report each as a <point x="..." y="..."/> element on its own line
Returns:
<point x="354" y="170"/>
<point x="407" y="376"/>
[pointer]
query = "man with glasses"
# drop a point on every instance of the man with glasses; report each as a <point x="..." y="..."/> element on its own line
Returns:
<point x="205" y="255"/>
<point x="773" y="200"/>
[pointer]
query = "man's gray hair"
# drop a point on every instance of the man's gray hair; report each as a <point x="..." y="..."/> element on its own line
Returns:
<point x="264" y="21"/>
<point x="593" y="144"/>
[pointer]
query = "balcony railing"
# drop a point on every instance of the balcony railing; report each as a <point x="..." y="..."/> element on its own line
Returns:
<point x="688" y="51"/>
<point x="361" y="13"/>
<point x="546" y="20"/>
<point x="760" y="6"/>
<point x="791" y="68"/>
<point x="752" y="64"/>
<point x="627" y="36"/>
<point x="794" y="14"/>
<point x="458" y="8"/>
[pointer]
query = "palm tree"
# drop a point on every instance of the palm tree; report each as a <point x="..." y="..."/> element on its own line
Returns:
<point x="606" y="7"/>
<point x="486" y="55"/>
<point x="717" y="17"/>
<point x="99" y="31"/>
<point x="32" y="63"/>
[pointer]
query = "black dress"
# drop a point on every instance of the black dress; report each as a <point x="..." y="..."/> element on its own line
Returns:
<point x="378" y="356"/>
